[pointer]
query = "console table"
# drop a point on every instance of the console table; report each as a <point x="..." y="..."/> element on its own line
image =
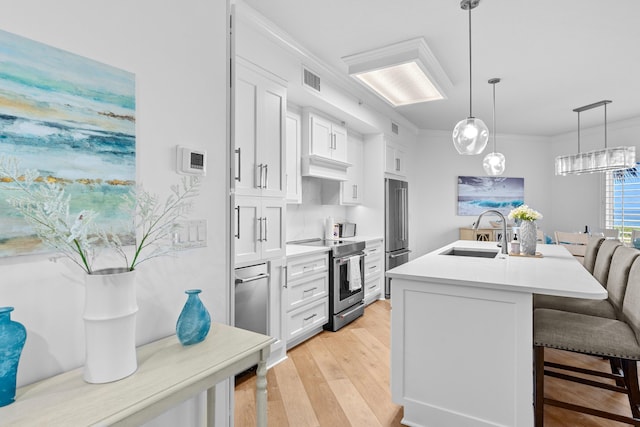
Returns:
<point x="168" y="373"/>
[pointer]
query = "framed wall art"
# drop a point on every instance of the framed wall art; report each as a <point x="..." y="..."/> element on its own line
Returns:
<point x="73" y="119"/>
<point x="476" y="194"/>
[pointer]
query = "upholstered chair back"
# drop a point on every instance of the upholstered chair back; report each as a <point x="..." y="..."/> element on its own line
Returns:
<point x="621" y="263"/>
<point x="631" y="304"/>
<point x="603" y="260"/>
<point x="591" y="251"/>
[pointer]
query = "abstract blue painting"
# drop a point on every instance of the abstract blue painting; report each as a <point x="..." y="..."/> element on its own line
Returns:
<point x="73" y="119"/>
<point x="476" y="194"/>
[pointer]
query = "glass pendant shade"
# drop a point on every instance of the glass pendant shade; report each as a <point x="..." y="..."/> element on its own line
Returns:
<point x="494" y="163"/>
<point x="470" y="136"/>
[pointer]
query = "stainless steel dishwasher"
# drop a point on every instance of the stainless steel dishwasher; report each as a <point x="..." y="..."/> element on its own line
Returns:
<point x="252" y="297"/>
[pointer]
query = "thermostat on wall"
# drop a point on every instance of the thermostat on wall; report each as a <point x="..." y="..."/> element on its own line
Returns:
<point x="190" y="161"/>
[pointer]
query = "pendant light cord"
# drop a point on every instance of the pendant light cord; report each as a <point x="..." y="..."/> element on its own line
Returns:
<point x="494" y="116"/>
<point x="470" y="84"/>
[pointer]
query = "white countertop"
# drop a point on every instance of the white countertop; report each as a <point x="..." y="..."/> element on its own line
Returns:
<point x="556" y="273"/>
<point x="296" y="250"/>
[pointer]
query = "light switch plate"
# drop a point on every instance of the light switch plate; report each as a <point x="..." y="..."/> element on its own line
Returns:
<point x="192" y="234"/>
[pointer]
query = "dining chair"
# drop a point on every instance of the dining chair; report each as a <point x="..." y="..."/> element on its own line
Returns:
<point x="613" y="339"/>
<point x="576" y="243"/>
<point x="611" y="233"/>
<point x="618" y="274"/>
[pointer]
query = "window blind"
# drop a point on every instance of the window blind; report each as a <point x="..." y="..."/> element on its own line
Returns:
<point x="622" y="201"/>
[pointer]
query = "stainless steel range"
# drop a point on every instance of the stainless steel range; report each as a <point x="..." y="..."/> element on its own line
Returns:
<point x="346" y="280"/>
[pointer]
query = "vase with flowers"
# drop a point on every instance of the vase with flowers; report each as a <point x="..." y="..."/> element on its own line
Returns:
<point x="110" y="297"/>
<point x="528" y="235"/>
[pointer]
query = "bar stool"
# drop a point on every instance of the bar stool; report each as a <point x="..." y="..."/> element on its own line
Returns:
<point x="614" y="339"/>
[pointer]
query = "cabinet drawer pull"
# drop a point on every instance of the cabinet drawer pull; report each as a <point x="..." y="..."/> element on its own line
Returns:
<point x="372" y="267"/>
<point x="308" y="267"/>
<point x="310" y="290"/>
<point x="372" y="286"/>
<point x="310" y="317"/>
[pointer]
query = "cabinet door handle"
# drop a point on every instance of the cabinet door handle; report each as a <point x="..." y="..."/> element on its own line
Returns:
<point x="258" y="176"/>
<point x="265" y="228"/>
<point x="286" y="276"/>
<point x="397" y="165"/>
<point x="237" y="235"/>
<point x="239" y="176"/>
<point x="355" y="191"/>
<point x="266" y="176"/>
<point x="259" y="220"/>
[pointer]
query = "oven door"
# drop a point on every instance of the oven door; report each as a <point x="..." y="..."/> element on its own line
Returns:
<point x="347" y="292"/>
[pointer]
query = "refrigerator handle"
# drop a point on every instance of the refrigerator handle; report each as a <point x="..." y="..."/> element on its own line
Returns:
<point x="394" y="256"/>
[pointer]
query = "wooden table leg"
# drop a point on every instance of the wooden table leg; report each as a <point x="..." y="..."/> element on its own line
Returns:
<point x="261" y="392"/>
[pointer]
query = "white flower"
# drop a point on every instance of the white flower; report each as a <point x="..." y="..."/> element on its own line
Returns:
<point x="524" y="213"/>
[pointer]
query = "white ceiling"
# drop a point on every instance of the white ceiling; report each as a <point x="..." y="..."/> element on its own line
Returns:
<point x="552" y="55"/>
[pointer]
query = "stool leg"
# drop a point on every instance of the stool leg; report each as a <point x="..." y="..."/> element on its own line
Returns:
<point x="631" y="378"/>
<point x="538" y="357"/>
<point x="616" y="369"/>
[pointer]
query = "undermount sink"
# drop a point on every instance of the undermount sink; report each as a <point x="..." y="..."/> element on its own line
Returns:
<point x="478" y="253"/>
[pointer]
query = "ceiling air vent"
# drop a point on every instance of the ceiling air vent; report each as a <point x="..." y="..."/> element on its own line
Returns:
<point x="311" y="80"/>
<point x="394" y="128"/>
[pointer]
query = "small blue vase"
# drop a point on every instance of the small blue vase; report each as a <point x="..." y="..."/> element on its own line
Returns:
<point x="194" y="321"/>
<point x="12" y="338"/>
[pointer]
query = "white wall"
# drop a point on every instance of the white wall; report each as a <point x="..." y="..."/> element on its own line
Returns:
<point x="434" y="169"/>
<point x="178" y="52"/>
<point x="576" y="200"/>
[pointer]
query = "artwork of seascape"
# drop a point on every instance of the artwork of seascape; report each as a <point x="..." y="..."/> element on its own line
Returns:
<point x="476" y="194"/>
<point x="73" y="119"/>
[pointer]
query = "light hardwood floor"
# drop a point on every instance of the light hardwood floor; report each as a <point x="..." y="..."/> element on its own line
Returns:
<point x="342" y="379"/>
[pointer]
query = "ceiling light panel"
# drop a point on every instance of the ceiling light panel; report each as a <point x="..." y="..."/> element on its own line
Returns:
<point x="401" y="84"/>
<point x="403" y="73"/>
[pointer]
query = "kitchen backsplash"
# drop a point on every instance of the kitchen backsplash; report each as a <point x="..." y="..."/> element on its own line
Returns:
<point x="306" y="220"/>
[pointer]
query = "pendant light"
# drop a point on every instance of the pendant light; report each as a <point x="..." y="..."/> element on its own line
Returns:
<point x="608" y="159"/>
<point x="470" y="135"/>
<point x="494" y="163"/>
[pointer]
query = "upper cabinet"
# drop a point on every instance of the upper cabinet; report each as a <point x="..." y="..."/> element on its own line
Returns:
<point x="395" y="160"/>
<point x="294" y="147"/>
<point x="352" y="189"/>
<point x="324" y="147"/>
<point x="259" y="126"/>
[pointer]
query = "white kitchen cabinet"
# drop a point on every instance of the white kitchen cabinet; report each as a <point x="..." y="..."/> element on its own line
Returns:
<point x="259" y="228"/>
<point x="324" y="147"/>
<point x="259" y="131"/>
<point x="293" y="155"/>
<point x="395" y="161"/>
<point x="306" y="296"/>
<point x="352" y="189"/>
<point x="277" y="323"/>
<point x="373" y="270"/>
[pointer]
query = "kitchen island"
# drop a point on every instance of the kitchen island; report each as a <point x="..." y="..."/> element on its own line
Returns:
<point x="461" y="331"/>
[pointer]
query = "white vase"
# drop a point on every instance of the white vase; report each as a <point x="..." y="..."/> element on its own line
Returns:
<point x="528" y="237"/>
<point x="110" y="325"/>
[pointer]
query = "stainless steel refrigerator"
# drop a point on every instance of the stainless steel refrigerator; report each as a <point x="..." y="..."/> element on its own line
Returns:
<point x="396" y="215"/>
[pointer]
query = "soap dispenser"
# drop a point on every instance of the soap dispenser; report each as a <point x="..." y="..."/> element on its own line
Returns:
<point x="515" y="245"/>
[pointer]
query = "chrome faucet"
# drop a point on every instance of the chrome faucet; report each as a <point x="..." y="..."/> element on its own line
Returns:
<point x="503" y="243"/>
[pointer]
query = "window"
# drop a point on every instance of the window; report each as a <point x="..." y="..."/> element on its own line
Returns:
<point x="622" y="202"/>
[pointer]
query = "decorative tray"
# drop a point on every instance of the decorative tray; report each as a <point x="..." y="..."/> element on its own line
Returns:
<point x="537" y="255"/>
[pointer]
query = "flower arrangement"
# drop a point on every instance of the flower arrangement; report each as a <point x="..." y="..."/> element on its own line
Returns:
<point x="45" y="206"/>
<point x="524" y="213"/>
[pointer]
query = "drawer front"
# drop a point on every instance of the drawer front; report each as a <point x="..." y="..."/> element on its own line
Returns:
<point x="301" y="292"/>
<point x="374" y="248"/>
<point x="306" y="318"/>
<point x="299" y="267"/>
<point x="373" y="289"/>
<point x="372" y="265"/>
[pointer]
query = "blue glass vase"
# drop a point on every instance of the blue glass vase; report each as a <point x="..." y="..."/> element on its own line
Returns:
<point x="12" y="338"/>
<point x="194" y="321"/>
